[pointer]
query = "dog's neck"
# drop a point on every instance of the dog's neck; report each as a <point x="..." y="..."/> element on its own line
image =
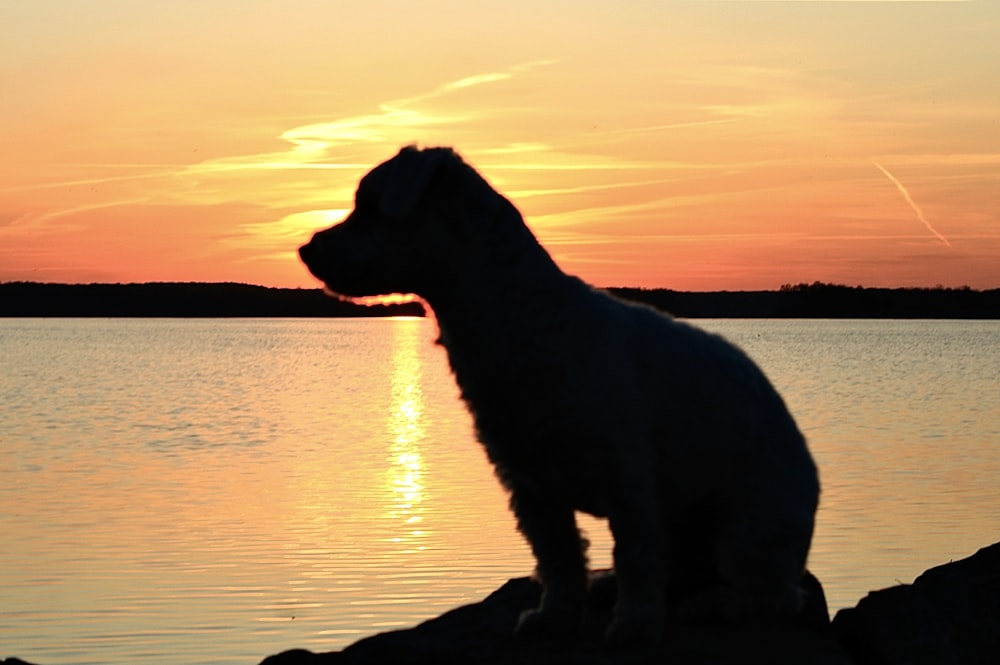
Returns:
<point x="503" y="286"/>
<point x="503" y="300"/>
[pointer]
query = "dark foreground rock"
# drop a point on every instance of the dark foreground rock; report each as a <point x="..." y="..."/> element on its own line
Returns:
<point x="483" y="633"/>
<point x="950" y="615"/>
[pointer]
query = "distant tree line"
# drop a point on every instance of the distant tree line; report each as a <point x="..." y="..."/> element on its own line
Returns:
<point x="191" y="299"/>
<point x="820" y="300"/>
<point x="181" y="299"/>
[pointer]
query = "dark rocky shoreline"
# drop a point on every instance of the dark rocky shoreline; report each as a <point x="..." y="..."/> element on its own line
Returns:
<point x="949" y="615"/>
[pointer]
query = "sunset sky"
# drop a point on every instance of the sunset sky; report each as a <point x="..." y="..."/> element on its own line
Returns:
<point x="689" y="145"/>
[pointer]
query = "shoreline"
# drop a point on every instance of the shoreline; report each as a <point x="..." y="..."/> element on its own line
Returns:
<point x="231" y="300"/>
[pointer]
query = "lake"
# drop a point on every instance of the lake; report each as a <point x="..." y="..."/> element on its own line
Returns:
<point x="216" y="490"/>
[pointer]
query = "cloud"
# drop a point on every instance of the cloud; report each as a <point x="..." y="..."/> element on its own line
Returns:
<point x="162" y="171"/>
<point x="38" y="222"/>
<point x="395" y="122"/>
<point x="291" y="229"/>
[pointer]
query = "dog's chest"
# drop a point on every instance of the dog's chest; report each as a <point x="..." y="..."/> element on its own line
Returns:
<point x="536" y="438"/>
<point x="538" y="426"/>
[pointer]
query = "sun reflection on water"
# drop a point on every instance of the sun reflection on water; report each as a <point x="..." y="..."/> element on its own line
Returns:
<point x="405" y="475"/>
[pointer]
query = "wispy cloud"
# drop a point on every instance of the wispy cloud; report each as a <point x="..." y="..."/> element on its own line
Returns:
<point x="43" y="222"/>
<point x="910" y="202"/>
<point x="161" y="171"/>
<point x="395" y="121"/>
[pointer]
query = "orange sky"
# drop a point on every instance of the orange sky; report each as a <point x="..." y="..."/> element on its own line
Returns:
<point x="689" y="145"/>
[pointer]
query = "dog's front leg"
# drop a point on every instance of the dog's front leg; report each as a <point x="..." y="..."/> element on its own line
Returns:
<point x="560" y="552"/>
<point x="635" y="520"/>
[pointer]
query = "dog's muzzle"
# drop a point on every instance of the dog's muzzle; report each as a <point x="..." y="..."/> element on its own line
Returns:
<point x="312" y="254"/>
<point x="307" y="252"/>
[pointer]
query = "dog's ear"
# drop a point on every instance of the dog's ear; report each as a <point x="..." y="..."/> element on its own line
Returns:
<point x="411" y="172"/>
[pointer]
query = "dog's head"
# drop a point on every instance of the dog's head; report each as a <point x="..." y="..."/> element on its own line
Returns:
<point x="407" y="232"/>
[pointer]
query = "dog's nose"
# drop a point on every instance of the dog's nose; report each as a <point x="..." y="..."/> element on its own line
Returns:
<point x="307" y="250"/>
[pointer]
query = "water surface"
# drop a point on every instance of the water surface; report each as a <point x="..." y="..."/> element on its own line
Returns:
<point x="212" y="491"/>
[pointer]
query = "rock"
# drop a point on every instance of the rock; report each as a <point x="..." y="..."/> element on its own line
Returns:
<point x="949" y="615"/>
<point x="483" y="633"/>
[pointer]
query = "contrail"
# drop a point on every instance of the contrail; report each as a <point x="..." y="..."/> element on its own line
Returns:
<point x="912" y="204"/>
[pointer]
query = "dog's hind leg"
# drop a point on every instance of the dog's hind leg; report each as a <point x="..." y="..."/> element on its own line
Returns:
<point x="560" y="552"/>
<point x="760" y="570"/>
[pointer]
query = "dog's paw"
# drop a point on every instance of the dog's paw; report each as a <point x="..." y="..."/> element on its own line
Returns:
<point x="547" y="623"/>
<point x="634" y="629"/>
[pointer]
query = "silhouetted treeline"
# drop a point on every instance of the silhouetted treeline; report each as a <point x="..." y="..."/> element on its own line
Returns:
<point x="185" y="299"/>
<point x="181" y="299"/>
<point x="819" y="300"/>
